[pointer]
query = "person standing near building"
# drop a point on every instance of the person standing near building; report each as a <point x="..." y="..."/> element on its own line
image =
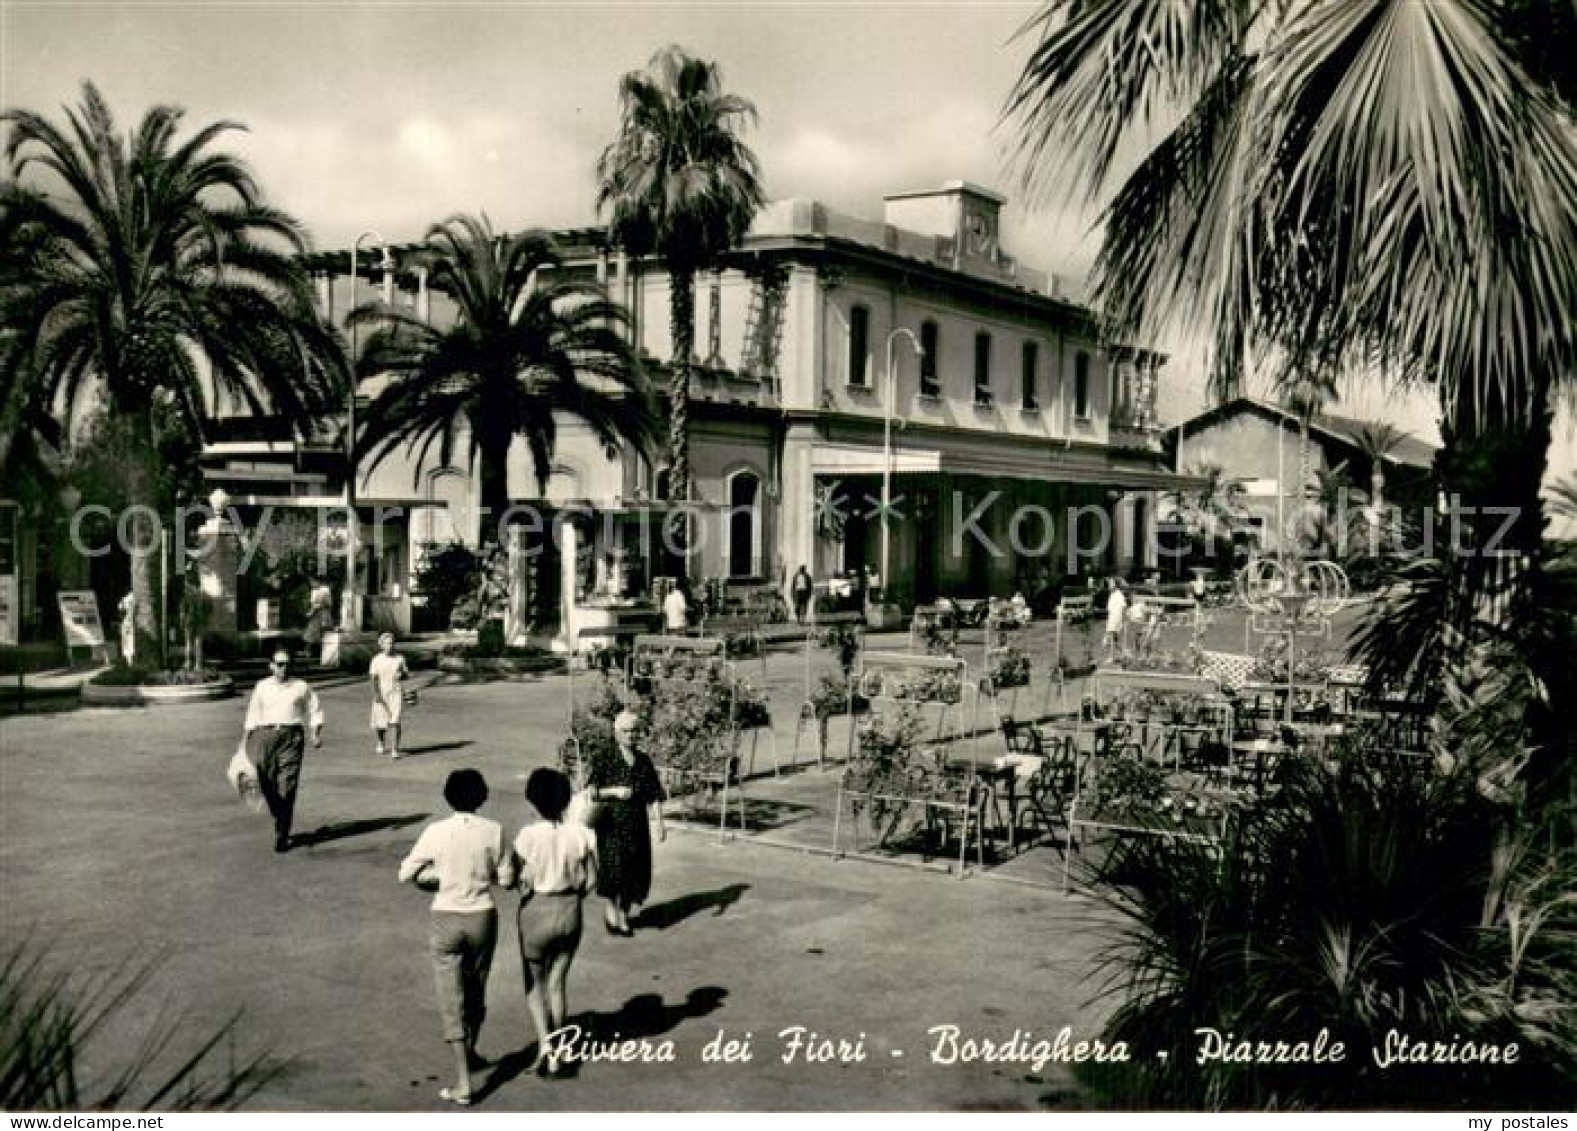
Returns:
<point x="128" y="629"/>
<point x="278" y="717"/>
<point x="1116" y="615"/>
<point x="676" y="612"/>
<point x="800" y="590"/>
<point x="463" y="856"/>
<point x="387" y="673"/>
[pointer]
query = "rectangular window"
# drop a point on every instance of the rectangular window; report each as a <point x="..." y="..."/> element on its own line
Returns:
<point x="930" y="342"/>
<point x="982" y="368"/>
<point x="859" y="346"/>
<point x="1031" y="362"/>
<point x="1081" y="386"/>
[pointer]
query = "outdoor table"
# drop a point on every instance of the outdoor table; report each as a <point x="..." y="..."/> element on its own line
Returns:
<point x="1099" y="730"/>
<point x="1316" y="734"/>
<point x="994" y="777"/>
<point x="1262" y="755"/>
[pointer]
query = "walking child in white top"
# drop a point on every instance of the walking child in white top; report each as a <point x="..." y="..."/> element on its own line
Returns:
<point x="387" y="674"/>
<point x="465" y="855"/>
<point x="557" y="861"/>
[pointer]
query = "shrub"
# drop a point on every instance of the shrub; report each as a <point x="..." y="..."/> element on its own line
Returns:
<point x="354" y="660"/>
<point x="123" y="675"/>
<point x="184" y="677"/>
<point x="445" y="575"/>
<point x="490" y="638"/>
<point x="1351" y="901"/>
<point x="51" y="1031"/>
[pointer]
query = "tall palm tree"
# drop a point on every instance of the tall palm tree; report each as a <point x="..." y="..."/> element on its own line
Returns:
<point x="142" y="267"/>
<point x="524" y="345"/>
<point x="1305" y="392"/>
<point x="1379" y="186"/>
<point x="679" y="182"/>
<point x="1208" y="513"/>
<point x="1376" y="441"/>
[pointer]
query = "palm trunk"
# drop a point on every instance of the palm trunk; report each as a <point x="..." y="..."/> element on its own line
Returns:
<point x="144" y="550"/>
<point x="493" y="458"/>
<point x="1303" y="483"/>
<point x="493" y="474"/>
<point x="682" y="329"/>
<point x="1490" y="711"/>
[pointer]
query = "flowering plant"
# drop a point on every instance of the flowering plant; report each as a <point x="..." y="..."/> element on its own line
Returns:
<point x="890" y="764"/>
<point x="1009" y="668"/>
<point x="1127" y="784"/>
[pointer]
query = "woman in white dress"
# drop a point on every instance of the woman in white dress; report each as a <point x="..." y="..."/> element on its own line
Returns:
<point x="387" y="674"/>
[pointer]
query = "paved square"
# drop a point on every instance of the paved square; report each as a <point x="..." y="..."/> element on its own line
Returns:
<point x="120" y="840"/>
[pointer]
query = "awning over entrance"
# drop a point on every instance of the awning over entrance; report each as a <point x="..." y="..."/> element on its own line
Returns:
<point x="1054" y="466"/>
<point x="857" y="459"/>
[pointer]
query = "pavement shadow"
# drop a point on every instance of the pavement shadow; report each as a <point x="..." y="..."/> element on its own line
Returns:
<point x="328" y="833"/>
<point x="760" y="816"/>
<point x="642" y="1016"/>
<point x="661" y="916"/>
<point x="434" y="748"/>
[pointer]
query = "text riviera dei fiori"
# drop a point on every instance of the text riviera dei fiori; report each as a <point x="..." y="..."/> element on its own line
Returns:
<point x="949" y="1045"/>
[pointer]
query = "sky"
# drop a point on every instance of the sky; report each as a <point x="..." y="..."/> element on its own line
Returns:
<point x="391" y="116"/>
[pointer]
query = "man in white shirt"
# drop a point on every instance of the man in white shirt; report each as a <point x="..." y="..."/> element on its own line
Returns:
<point x="676" y="612"/>
<point x="277" y="719"/>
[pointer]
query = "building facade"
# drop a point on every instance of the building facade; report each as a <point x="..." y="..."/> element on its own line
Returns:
<point x="1259" y="445"/>
<point x="1018" y="445"/>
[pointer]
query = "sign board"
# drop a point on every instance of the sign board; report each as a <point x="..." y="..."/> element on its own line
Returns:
<point x="9" y="613"/>
<point x="79" y="617"/>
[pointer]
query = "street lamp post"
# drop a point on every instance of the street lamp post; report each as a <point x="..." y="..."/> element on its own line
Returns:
<point x="887" y="446"/>
<point x="350" y="612"/>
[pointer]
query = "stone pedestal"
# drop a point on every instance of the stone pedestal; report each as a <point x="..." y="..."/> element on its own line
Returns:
<point x="217" y="566"/>
<point x="882" y="617"/>
<point x="338" y="642"/>
<point x="518" y="599"/>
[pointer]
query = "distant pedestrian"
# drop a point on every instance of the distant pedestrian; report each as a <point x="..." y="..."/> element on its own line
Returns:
<point x="676" y="612"/>
<point x="1116" y="614"/>
<point x="557" y="863"/>
<point x="280" y="713"/>
<point x="128" y="629"/>
<point x="387" y="673"/>
<point x="801" y="589"/>
<point x="319" y="613"/>
<point x="625" y="782"/>
<point x="464" y="855"/>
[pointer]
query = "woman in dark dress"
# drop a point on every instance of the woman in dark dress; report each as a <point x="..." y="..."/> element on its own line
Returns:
<point x="624" y="782"/>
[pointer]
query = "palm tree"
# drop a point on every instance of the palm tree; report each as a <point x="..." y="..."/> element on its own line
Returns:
<point x="1210" y="509"/>
<point x="1375" y="187"/>
<point x="1305" y="392"/>
<point x="679" y="182"/>
<point x="1377" y="442"/>
<point x="524" y="346"/>
<point x="143" y="268"/>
